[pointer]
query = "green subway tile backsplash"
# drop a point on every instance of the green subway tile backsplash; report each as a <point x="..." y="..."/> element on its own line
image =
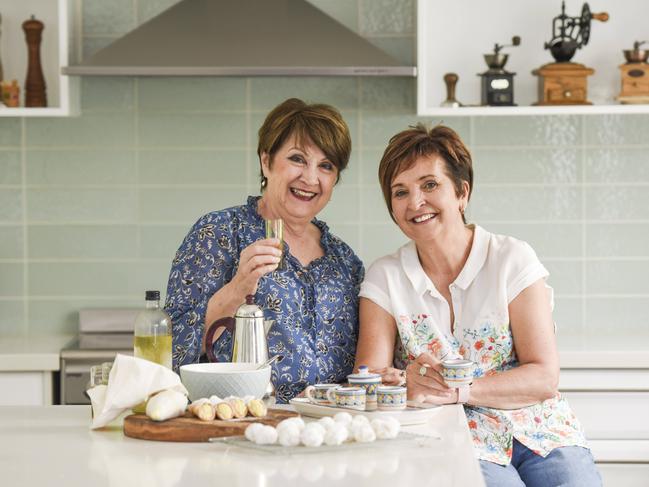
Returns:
<point x="11" y="279"/>
<point x="11" y="206"/>
<point x="82" y="241"/>
<point x="192" y="130"/>
<point x="11" y="241"/>
<point x="10" y="132"/>
<point x="107" y="93"/>
<point x="12" y="317"/>
<point x="10" y="167"/>
<point x="108" y="18"/>
<point x="79" y="167"/>
<point x="191" y="94"/>
<point x="92" y="208"/>
<point x="65" y="205"/>
<point x="187" y="166"/>
<point x="526" y="165"/>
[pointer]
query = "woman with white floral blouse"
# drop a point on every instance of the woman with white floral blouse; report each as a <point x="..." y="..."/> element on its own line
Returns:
<point x="459" y="291"/>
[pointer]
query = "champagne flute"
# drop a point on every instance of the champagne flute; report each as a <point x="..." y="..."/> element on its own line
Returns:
<point x="275" y="229"/>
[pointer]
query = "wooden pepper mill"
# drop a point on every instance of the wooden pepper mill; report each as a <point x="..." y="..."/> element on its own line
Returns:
<point x="1" y="71"/>
<point x="35" y="95"/>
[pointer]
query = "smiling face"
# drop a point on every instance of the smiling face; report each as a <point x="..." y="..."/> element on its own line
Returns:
<point x="424" y="200"/>
<point x="300" y="179"/>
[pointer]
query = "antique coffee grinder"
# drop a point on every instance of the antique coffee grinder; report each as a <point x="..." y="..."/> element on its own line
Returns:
<point x="635" y="75"/>
<point x="498" y="84"/>
<point x="564" y="82"/>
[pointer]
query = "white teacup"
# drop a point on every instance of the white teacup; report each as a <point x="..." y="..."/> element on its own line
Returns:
<point x="458" y="372"/>
<point x="391" y="398"/>
<point x="317" y="393"/>
<point x="348" y="397"/>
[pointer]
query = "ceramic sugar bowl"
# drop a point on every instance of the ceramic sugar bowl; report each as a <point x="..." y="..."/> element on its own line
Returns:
<point x="369" y="381"/>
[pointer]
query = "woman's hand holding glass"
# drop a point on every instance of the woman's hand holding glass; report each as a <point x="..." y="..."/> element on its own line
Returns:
<point x="425" y="382"/>
<point x="256" y="260"/>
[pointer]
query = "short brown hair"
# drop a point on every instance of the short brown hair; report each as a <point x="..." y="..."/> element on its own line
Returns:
<point x="321" y="124"/>
<point x="420" y="141"/>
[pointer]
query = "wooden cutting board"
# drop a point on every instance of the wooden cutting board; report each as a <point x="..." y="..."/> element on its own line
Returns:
<point x="188" y="428"/>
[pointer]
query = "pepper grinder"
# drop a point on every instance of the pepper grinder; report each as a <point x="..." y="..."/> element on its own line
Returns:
<point x="1" y="71"/>
<point x="451" y="80"/>
<point x="35" y="83"/>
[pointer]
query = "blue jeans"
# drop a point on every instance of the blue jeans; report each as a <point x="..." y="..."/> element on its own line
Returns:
<point x="568" y="466"/>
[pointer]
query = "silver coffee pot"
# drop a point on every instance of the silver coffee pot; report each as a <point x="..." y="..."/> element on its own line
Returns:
<point x="249" y="330"/>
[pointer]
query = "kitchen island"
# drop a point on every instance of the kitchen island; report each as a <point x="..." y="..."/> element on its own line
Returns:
<point x="53" y="446"/>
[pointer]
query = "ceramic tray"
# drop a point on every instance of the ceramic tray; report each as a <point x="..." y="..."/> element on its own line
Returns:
<point x="406" y="416"/>
<point x="404" y="439"/>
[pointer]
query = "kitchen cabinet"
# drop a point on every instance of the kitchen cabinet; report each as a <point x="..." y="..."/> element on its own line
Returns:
<point x="26" y="388"/>
<point x="611" y="404"/>
<point x="59" y="17"/>
<point x="27" y="369"/>
<point x="453" y="36"/>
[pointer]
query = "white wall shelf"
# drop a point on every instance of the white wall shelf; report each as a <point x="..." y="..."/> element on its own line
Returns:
<point x="56" y="51"/>
<point x="453" y="36"/>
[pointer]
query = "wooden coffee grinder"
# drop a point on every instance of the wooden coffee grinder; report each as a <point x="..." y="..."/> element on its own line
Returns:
<point x="635" y="75"/>
<point x="564" y="82"/>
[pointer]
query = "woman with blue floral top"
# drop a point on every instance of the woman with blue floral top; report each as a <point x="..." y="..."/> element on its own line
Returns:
<point x="459" y="291"/>
<point x="313" y="297"/>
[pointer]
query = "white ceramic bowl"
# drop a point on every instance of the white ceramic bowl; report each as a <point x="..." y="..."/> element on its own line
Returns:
<point x="224" y="379"/>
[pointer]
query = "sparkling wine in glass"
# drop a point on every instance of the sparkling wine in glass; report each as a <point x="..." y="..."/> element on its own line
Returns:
<point x="275" y="229"/>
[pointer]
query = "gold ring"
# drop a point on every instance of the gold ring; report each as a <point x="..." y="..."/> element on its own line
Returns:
<point x="422" y="370"/>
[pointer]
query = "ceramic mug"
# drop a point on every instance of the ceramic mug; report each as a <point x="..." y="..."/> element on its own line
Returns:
<point x="369" y="382"/>
<point x="458" y="372"/>
<point x="391" y="398"/>
<point x="347" y="397"/>
<point x="317" y="393"/>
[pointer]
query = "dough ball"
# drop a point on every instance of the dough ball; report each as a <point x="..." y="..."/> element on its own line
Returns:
<point x="364" y="434"/>
<point x="336" y="434"/>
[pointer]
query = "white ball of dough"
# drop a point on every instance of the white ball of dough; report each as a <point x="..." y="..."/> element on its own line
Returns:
<point x="267" y="435"/>
<point x="251" y="431"/>
<point x="327" y="422"/>
<point x="336" y="434"/>
<point x="343" y="417"/>
<point x="297" y="421"/>
<point x="289" y="435"/>
<point x="364" y="434"/>
<point x="312" y="435"/>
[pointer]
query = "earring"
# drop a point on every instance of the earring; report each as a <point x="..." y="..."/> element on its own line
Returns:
<point x="264" y="182"/>
<point x="462" y="210"/>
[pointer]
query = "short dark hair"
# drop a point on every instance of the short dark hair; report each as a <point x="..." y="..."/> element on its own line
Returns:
<point x="321" y="124"/>
<point x="407" y="146"/>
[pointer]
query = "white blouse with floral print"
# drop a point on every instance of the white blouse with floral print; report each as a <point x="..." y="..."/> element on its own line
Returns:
<point x="497" y="270"/>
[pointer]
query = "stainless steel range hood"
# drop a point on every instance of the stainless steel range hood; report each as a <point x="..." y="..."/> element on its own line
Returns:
<point x="241" y="38"/>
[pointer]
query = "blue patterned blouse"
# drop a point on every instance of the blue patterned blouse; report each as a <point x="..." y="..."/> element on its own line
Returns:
<point x="315" y="307"/>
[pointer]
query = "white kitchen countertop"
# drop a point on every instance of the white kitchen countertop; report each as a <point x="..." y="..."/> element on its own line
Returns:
<point x="53" y="446"/>
<point x="33" y="353"/>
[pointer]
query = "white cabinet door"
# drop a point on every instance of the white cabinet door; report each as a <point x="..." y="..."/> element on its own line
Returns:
<point x="25" y="388"/>
<point x="615" y="475"/>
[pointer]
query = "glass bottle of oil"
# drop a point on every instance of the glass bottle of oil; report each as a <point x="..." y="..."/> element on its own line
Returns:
<point x="152" y="335"/>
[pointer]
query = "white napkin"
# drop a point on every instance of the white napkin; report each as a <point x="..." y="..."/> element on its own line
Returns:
<point x="131" y="381"/>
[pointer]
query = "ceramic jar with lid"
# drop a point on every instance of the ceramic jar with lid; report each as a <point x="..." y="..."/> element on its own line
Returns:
<point x="370" y="382"/>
